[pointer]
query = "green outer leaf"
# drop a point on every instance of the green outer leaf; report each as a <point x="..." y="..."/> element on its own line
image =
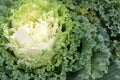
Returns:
<point x="113" y="73"/>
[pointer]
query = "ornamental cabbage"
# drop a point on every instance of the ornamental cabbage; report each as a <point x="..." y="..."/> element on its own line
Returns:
<point x="59" y="40"/>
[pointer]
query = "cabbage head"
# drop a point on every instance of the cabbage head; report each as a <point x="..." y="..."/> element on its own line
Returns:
<point x="36" y="26"/>
<point x="34" y="37"/>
